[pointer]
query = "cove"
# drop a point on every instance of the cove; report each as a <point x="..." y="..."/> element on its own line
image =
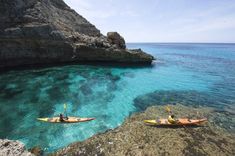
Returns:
<point x="192" y="74"/>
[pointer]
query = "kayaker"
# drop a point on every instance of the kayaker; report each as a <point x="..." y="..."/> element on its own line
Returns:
<point x="171" y="119"/>
<point x="61" y="117"/>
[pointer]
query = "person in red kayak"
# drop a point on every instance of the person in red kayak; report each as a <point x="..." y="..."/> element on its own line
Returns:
<point x="171" y="119"/>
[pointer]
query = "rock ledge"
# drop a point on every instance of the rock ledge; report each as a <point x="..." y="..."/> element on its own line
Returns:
<point x="50" y="32"/>
<point x="135" y="138"/>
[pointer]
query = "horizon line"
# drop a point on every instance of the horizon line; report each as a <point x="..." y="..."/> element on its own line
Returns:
<point x="185" y="42"/>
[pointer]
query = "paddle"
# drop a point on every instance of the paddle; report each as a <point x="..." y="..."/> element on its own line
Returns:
<point x="65" y="110"/>
<point x="167" y="108"/>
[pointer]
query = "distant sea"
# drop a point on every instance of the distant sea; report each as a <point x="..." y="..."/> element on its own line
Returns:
<point x="191" y="74"/>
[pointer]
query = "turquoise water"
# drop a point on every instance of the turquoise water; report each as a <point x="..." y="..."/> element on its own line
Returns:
<point x="192" y="74"/>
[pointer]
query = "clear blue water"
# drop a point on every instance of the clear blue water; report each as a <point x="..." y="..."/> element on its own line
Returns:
<point x="192" y="74"/>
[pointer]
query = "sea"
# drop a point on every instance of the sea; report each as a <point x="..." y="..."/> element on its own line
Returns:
<point x="193" y="74"/>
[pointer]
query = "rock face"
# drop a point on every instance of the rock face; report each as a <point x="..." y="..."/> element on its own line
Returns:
<point x="13" y="148"/>
<point x="137" y="139"/>
<point x="48" y="31"/>
<point x="115" y="38"/>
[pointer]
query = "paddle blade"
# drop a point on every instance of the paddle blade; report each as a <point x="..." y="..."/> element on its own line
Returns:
<point x="42" y="119"/>
<point x="65" y="106"/>
<point x="167" y="108"/>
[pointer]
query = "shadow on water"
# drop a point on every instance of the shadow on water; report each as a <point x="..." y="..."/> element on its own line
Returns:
<point x="92" y="63"/>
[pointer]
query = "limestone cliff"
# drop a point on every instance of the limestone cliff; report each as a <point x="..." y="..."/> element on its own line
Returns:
<point x="49" y="31"/>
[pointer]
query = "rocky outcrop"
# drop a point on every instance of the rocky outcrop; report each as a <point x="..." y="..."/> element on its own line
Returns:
<point x="13" y="148"/>
<point x="48" y="31"/>
<point x="136" y="138"/>
<point x="115" y="38"/>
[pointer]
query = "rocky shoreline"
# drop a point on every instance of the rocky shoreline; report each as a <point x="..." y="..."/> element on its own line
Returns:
<point x="43" y="32"/>
<point x="13" y="148"/>
<point x="133" y="137"/>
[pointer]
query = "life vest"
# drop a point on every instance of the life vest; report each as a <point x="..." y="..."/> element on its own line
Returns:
<point x="171" y="120"/>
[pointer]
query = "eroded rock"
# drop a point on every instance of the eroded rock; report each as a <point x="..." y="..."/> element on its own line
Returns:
<point x="117" y="39"/>
<point x="13" y="148"/>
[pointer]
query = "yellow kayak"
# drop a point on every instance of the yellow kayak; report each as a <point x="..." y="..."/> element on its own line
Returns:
<point x="70" y="119"/>
<point x="179" y="122"/>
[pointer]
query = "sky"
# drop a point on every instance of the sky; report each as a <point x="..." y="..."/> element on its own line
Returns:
<point x="162" y="20"/>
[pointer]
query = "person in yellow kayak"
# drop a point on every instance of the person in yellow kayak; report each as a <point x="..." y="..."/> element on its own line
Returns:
<point x="61" y="117"/>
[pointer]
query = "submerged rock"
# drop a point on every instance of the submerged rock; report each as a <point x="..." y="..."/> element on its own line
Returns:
<point x="136" y="138"/>
<point x="13" y="148"/>
<point x="85" y="89"/>
<point x="190" y="98"/>
<point x="49" y="31"/>
<point x="37" y="151"/>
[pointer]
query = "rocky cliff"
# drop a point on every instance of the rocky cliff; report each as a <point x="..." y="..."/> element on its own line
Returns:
<point x="49" y="31"/>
